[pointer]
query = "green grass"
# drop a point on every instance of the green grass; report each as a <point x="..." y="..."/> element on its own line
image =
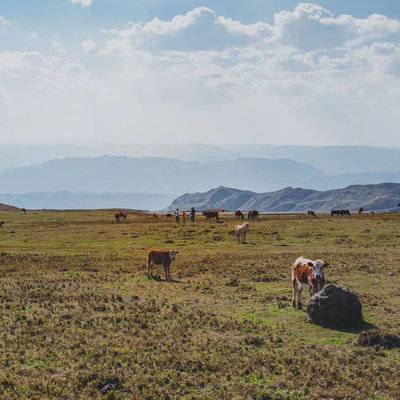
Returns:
<point x="78" y="312"/>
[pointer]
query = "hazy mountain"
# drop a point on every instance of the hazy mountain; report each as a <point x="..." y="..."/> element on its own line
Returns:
<point x="75" y="200"/>
<point x="154" y="175"/>
<point x="371" y="197"/>
<point x="111" y="174"/>
<point x="12" y="156"/>
<point x="328" y="159"/>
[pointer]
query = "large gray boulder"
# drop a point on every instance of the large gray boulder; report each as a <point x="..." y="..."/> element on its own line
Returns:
<point x="334" y="306"/>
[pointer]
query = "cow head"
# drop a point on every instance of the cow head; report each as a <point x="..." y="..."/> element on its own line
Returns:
<point x="173" y="254"/>
<point x="318" y="275"/>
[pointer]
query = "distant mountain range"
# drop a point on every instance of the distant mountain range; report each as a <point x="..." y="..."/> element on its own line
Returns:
<point x="79" y="200"/>
<point x="371" y="197"/>
<point x="331" y="160"/>
<point x="111" y="174"/>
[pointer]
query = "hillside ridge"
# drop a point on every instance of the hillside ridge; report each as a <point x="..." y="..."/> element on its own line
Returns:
<point x="370" y="197"/>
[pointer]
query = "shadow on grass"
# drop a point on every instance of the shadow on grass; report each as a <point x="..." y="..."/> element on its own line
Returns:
<point x="356" y="327"/>
<point x="157" y="278"/>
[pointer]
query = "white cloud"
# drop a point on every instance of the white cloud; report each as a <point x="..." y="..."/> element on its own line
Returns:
<point x="199" y="29"/>
<point x="4" y="21"/>
<point x="33" y="36"/>
<point x="88" y="45"/>
<point x="84" y="3"/>
<point x="310" y="77"/>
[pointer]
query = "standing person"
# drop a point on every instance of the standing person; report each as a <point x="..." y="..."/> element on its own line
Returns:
<point x="192" y="214"/>
<point x="184" y="217"/>
<point x="177" y="217"/>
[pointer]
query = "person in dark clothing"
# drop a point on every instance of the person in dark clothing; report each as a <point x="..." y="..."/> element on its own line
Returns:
<point x="192" y="214"/>
<point x="177" y="216"/>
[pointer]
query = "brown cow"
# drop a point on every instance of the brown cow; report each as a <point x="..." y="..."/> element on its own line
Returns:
<point x="2" y="224"/>
<point x="211" y="214"/>
<point x="252" y="215"/>
<point x="160" y="257"/>
<point x="239" y="215"/>
<point x="307" y="273"/>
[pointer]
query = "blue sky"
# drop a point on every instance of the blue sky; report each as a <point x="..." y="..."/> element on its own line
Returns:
<point x="270" y="71"/>
<point x="69" y="21"/>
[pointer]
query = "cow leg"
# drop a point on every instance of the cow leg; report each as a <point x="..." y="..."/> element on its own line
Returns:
<point x="166" y="272"/>
<point x="299" y="305"/>
<point x="149" y="269"/>
<point x="295" y="288"/>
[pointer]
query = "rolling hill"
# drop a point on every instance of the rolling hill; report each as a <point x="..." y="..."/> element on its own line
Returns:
<point x="331" y="160"/>
<point x="154" y="175"/>
<point x="7" y="207"/>
<point x="112" y="174"/>
<point x="371" y="197"/>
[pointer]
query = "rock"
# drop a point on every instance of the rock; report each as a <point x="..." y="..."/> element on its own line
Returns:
<point x="334" y="306"/>
<point x="107" y="388"/>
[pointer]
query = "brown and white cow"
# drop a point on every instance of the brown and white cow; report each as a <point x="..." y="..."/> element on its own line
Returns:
<point x="120" y="217"/>
<point x="160" y="257"/>
<point x="307" y="274"/>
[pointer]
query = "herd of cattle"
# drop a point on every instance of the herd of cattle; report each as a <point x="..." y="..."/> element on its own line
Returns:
<point x="305" y="273"/>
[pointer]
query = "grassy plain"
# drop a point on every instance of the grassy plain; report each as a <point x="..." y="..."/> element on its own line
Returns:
<point x="77" y="311"/>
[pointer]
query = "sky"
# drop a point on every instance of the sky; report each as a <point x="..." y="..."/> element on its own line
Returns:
<point x="216" y="71"/>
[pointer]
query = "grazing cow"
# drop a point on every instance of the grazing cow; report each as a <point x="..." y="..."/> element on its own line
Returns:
<point x="311" y="214"/>
<point x="239" y="215"/>
<point x="341" y="213"/>
<point x="241" y="231"/>
<point x="211" y="214"/>
<point x="168" y="215"/>
<point x="160" y="257"/>
<point x="2" y="224"/>
<point x="252" y="215"/>
<point x="23" y="210"/>
<point x="120" y="217"/>
<point x="307" y="273"/>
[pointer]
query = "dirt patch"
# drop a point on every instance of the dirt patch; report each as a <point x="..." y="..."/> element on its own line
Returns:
<point x="376" y="338"/>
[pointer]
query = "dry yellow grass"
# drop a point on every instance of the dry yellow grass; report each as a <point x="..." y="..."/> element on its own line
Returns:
<point x="78" y="312"/>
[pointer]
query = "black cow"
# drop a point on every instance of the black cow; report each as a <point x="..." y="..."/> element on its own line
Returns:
<point x="340" y="213"/>
<point x="252" y="215"/>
